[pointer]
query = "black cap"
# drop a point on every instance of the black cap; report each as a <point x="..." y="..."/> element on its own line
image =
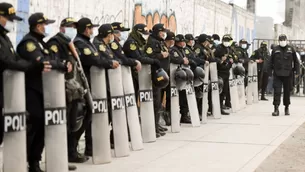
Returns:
<point x="85" y="22"/>
<point x="119" y="26"/>
<point x="243" y="41"/>
<point x="216" y="37"/>
<point x="39" y="18"/>
<point x="189" y="37"/>
<point x="68" y="22"/>
<point x="7" y="10"/>
<point x="141" y="28"/>
<point x="210" y="39"/>
<point x="179" y="38"/>
<point x="227" y="37"/>
<point x="202" y="38"/>
<point x="170" y="36"/>
<point x="282" y="37"/>
<point x="158" y="27"/>
<point x="105" y="29"/>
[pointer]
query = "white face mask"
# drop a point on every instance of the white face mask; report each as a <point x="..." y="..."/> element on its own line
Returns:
<point x="164" y="36"/>
<point x="193" y="43"/>
<point x="172" y="46"/>
<point x="9" y="26"/>
<point x="244" y="46"/>
<point x="124" y="36"/>
<point x="144" y="36"/>
<point x="283" y="43"/>
<point x="211" y="45"/>
<point x="216" y="42"/>
<point x="226" y="44"/>
<point x="70" y="32"/>
<point x="112" y="39"/>
<point x="47" y="30"/>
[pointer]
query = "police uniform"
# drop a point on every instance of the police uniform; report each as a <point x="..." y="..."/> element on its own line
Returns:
<point x="223" y="69"/>
<point x="9" y="58"/>
<point x="32" y="48"/>
<point x="243" y="56"/>
<point x="262" y="68"/>
<point x="89" y="57"/>
<point x="75" y="89"/>
<point x="155" y="45"/>
<point x="177" y="54"/>
<point x="283" y="62"/>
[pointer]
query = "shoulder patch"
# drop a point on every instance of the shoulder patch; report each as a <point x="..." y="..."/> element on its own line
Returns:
<point x="30" y="47"/>
<point x="253" y="53"/>
<point x="133" y="46"/>
<point x="46" y="51"/>
<point x="114" y="46"/>
<point x="87" y="51"/>
<point x="176" y="54"/>
<point x="102" y="48"/>
<point x="54" y="48"/>
<point x="197" y="51"/>
<point x="149" y="50"/>
<point x="187" y="51"/>
<point x="122" y="52"/>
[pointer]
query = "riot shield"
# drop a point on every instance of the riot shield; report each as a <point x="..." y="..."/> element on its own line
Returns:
<point x="119" y="122"/>
<point x="215" y="91"/>
<point x="132" y="110"/>
<point x="255" y="83"/>
<point x="55" y="121"/>
<point x="14" y="151"/>
<point x="100" y="123"/>
<point x="243" y="93"/>
<point x="205" y="99"/>
<point x="250" y="84"/>
<point x="147" y="105"/>
<point x="174" y="101"/>
<point x="233" y="92"/>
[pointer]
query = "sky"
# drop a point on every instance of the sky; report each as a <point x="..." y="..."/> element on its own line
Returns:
<point x="270" y="8"/>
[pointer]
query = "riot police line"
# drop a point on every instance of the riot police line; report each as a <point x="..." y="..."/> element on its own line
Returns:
<point x="77" y="84"/>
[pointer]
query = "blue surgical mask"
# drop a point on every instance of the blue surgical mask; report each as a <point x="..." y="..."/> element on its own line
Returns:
<point x="70" y="32"/>
<point x="47" y="30"/>
<point x="244" y="46"/>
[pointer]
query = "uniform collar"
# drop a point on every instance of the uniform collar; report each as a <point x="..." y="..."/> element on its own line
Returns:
<point x="3" y="31"/>
<point x="37" y="35"/>
<point x="83" y="37"/>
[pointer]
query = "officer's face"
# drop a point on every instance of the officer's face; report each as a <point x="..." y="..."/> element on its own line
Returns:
<point x="3" y="20"/>
<point x="89" y="31"/>
<point x="41" y="28"/>
<point x="162" y="35"/>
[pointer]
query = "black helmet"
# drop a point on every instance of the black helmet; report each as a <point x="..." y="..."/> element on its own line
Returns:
<point x="160" y="78"/>
<point x="180" y="78"/>
<point x="189" y="74"/>
<point x="198" y="76"/>
<point x="199" y="91"/>
<point x="220" y="84"/>
<point x="239" y="70"/>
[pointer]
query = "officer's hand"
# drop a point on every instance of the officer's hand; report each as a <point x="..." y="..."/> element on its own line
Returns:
<point x="139" y="66"/>
<point x="115" y="64"/>
<point x="165" y="54"/>
<point x="185" y="61"/>
<point x="69" y="66"/>
<point x="223" y="58"/>
<point x="46" y="66"/>
<point x="231" y="60"/>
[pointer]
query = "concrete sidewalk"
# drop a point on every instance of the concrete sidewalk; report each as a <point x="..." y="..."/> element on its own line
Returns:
<point x="236" y="143"/>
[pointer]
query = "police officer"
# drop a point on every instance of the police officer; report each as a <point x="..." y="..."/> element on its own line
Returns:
<point x="243" y="56"/>
<point x="223" y="67"/>
<point x="89" y="57"/>
<point x="261" y="57"/>
<point x="134" y="49"/>
<point x="283" y="62"/>
<point x="120" y="36"/>
<point x="75" y="89"/>
<point x="9" y="59"/>
<point x="178" y="56"/>
<point x="190" y="51"/>
<point x="216" y="41"/>
<point x="32" y="48"/>
<point x="190" y="41"/>
<point x="156" y="49"/>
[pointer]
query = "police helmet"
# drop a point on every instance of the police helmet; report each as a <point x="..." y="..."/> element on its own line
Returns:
<point x="220" y="84"/>
<point x="239" y="70"/>
<point x="160" y="78"/>
<point x="198" y="76"/>
<point x="189" y="74"/>
<point x="180" y="78"/>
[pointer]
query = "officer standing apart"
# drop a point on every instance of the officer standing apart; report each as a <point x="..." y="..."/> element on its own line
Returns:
<point x="156" y="49"/>
<point x="9" y="59"/>
<point x="59" y="45"/>
<point x="89" y="57"/>
<point x="32" y="48"/>
<point x="283" y="63"/>
<point x="261" y="57"/>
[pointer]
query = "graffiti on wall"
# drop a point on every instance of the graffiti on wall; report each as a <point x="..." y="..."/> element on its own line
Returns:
<point x="151" y="19"/>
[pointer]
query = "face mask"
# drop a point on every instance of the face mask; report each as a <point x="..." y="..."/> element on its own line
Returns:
<point x="70" y="32"/>
<point x="193" y="43"/>
<point x="122" y="43"/>
<point x="47" y="30"/>
<point x="226" y="44"/>
<point x="9" y="26"/>
<point x="144" y="36"/>
<point x="164" y="36"/>
<point x="124" y="36"/>
<point x="283" y="43"/>
<point x="211" y="45"/>
<point x="302" y="53"/>
<point x="172" y="46"/>
<point x="216" y="42"/>
<point x="112" y="39"/>
<point x="244" y="46"/>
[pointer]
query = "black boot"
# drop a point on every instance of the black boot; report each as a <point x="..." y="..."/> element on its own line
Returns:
<point x="224" y="113"/>
<point x="162" y="128"/>
<point x="72" y="167"/>
<point x="263" y="98"/>
<point x="159" y="133"/>
<point x="34" y="167"/>
<point x="77" y="158"/>
<point x="287" y="110"/>
<point x="167" y="118"/>
<point x="276" y="111"/>
<point x="185" y="119"/>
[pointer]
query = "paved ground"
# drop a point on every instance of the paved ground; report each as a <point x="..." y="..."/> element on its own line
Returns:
<point x="236" y="143"/>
